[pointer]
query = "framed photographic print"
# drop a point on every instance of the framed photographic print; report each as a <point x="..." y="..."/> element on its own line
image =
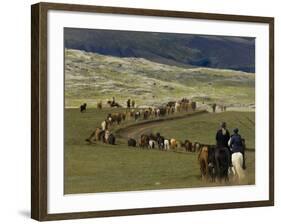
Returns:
<point x="139" y="111"/>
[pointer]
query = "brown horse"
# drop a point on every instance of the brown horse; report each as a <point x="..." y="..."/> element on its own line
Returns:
<point x="203" y="161"/>
<point x="187" y="145"/>
<point x="99" y="105"/>
<point x="95" y="136"/>
<point x="144" y="141"/>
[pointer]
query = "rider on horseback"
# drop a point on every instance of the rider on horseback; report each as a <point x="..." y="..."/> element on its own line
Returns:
<point x="222" y="138"/>
<point x="236" y="145"/>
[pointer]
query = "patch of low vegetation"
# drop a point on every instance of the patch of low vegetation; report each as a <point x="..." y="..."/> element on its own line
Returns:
<point x="90" y="77"/>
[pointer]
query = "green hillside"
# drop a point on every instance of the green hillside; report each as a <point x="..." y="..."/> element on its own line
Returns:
<point x="90" y="77"/>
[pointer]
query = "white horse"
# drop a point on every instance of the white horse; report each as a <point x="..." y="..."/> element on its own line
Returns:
<point x="103" y="125"/>
<point x="106" y="136"/>
<point x="157" y="112"/>
<point x="237" y="169"/>
<point x="151" y="144"/>
<point x="166" y="144"/>
<point x="177" y="106"/>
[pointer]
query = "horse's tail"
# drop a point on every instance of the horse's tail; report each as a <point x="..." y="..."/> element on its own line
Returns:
<point x="202" y="149"/>
<point x="237" y="161"/>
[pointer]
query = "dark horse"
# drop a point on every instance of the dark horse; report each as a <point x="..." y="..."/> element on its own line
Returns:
<point x="219" y="162"/>
<point x="113" y="104"/>
<point x="160" y="141"/>
<point x="83" y="107"/>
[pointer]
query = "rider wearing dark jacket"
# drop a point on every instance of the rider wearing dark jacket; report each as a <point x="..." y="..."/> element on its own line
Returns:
<point x="222" y="136"/>
<point x="236" y="144"/>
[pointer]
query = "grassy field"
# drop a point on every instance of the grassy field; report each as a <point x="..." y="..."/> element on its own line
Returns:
<point x="104" y="168"/>
<point x="202" y="128"/>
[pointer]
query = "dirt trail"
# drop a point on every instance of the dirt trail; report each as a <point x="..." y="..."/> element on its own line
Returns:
<point x="135" y="130"/>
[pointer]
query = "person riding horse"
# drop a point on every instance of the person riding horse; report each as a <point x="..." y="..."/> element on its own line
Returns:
<point x="236" y="145"/>
<point x="222" y="138"/>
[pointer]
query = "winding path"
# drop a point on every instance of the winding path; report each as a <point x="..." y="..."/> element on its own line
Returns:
<point x="135" y="130"/>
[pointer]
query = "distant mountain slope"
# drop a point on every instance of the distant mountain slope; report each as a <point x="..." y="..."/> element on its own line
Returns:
<point x="90" y="77"/>
<point x="236" y="53"/>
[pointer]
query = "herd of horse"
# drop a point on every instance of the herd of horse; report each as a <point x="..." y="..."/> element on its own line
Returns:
<point x="103" y="132"/>
<point x="214" y="162"/>
<point x="183" y="104"/>
<point x="157" y="141"/>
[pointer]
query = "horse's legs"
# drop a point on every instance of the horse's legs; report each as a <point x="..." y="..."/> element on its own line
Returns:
<point x="217" y="166"/>
<point x="202" y="169"/>
<point x="234" y="173"/>
<point x="206" y="168"/>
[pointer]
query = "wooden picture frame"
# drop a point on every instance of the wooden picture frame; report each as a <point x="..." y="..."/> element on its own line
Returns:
<point x="39" y="108"/>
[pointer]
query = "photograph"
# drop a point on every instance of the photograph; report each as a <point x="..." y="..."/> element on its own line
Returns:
<point x="154" y="110"/>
